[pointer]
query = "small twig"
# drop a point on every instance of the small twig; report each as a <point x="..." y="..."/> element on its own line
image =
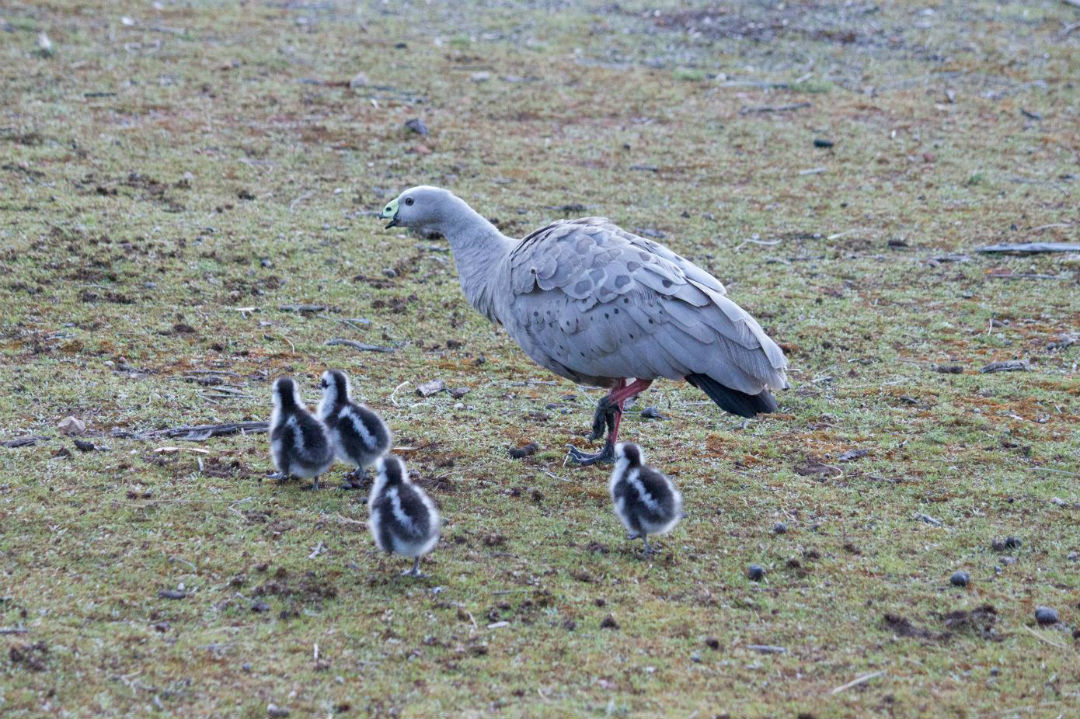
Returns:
<point x="354" y="322"/>
<point x="813" y="171"/>
<point x="857" y="681"/>
<point x="554" y="476"/>
<point x="1056" y="471"/>
<point x="760" y="84"/>
<point x="243" y="310"/>
<point x="205" y="431"/>
<point x="174" y="450"/>
<point x="774" y="108"/>
<point x="301" y="198"/>
<point x="302" y="308"/>
<point x="319" y="548"/>
<point x="767" y="243"/>
<point x="838" y="235"/>
<point x="1048" y="640"/>
<point x="1051" y="226"/>
<point x="23" y="441"/>
<point x="928" y="519"/>
<point x="348" y="520"/>
<point x="1026" y="276"/>
<point x="393" y="399"/>
<point x="359" y="345"/>
<point x="1032" y="247"/>
<point x="184" y="561"/>
<point x="166" y="30"/>
<point x="14" y="630"/>
<point x="767" y="648"/>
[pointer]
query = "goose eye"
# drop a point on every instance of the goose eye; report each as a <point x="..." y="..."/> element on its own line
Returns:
<point x="408" y="201"/>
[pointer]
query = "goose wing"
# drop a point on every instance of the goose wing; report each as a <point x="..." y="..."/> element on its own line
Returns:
<point x="593" y="302"/>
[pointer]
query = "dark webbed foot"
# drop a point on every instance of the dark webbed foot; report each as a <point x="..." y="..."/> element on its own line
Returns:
<point x="279" y="477"/>
<point x="354" y="479"/>
<point x="415" y="571"/>
<point x="607" y="454"/>
<point x="603" y="418"/>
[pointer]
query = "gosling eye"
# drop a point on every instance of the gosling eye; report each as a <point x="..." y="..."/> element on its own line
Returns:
<point x="408" y="201"/>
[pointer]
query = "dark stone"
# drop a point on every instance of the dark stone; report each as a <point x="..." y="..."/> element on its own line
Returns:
<point x="1046" y="615"/>
<point x="960" y="579"/>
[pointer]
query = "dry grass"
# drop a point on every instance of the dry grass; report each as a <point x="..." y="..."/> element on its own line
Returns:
<point x="173" y="176"/>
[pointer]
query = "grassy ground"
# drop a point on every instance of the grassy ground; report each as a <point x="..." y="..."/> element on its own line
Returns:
<point x="174" y="174"/>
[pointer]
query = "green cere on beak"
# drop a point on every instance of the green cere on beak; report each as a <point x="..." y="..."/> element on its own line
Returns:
<point x="390" y="213"/>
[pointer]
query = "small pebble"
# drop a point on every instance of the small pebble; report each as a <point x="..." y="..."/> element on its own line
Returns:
<point x="246" y="666"/>
<point x="779" y="528"/>
<point x="651" y="413"/>
<point x="755" y="572"/>
<point x="695" y="657"/>
<point x="274" y="710"/>
<point x="1046" y="615"/>
<point x="960" y="579"/>
<point x="822" y="142"/>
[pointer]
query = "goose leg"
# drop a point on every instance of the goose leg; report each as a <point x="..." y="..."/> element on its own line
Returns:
<point x="608" y="415"/>
<point x="415" y="571"/>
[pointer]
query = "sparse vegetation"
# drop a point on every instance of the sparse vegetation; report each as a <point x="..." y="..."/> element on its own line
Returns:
<point x="186" y="212"/>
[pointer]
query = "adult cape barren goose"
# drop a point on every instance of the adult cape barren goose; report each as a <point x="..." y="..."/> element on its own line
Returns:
<point x="601" y="306"/>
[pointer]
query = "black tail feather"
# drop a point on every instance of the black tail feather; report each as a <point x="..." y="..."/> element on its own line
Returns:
<point x="732" y="400"/>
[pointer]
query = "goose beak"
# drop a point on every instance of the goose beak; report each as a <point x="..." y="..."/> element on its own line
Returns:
<point x="390" y="213"/>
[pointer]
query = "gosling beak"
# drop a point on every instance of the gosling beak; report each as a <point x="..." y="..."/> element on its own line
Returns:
<point x="390" y="213"/>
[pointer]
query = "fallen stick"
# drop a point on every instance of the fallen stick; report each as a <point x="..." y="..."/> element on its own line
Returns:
<point x="1026" y="248"/>
<point x="857" y="681"/>
<point x="1007" y="366"/>
<point x="1049" y="641"/>
<point x="23" y="441"/>
<point x="359" y="345"/>
<point x="301" y="308"/>
<point x="197" y="433"/>
<point x="1026" y="276"/>
<point x="767" y="648"/>
<point x="774" y="108"/>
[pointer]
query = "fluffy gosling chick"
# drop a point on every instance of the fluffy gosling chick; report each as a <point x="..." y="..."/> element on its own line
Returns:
<point x="359" y="435"/>
<point x="646" y="501"/>
<point x="403" y="518"/>
<point x="299" y="443"/>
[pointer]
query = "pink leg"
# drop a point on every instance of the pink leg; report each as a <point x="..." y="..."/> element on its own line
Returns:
<point x="609" y="414"/>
